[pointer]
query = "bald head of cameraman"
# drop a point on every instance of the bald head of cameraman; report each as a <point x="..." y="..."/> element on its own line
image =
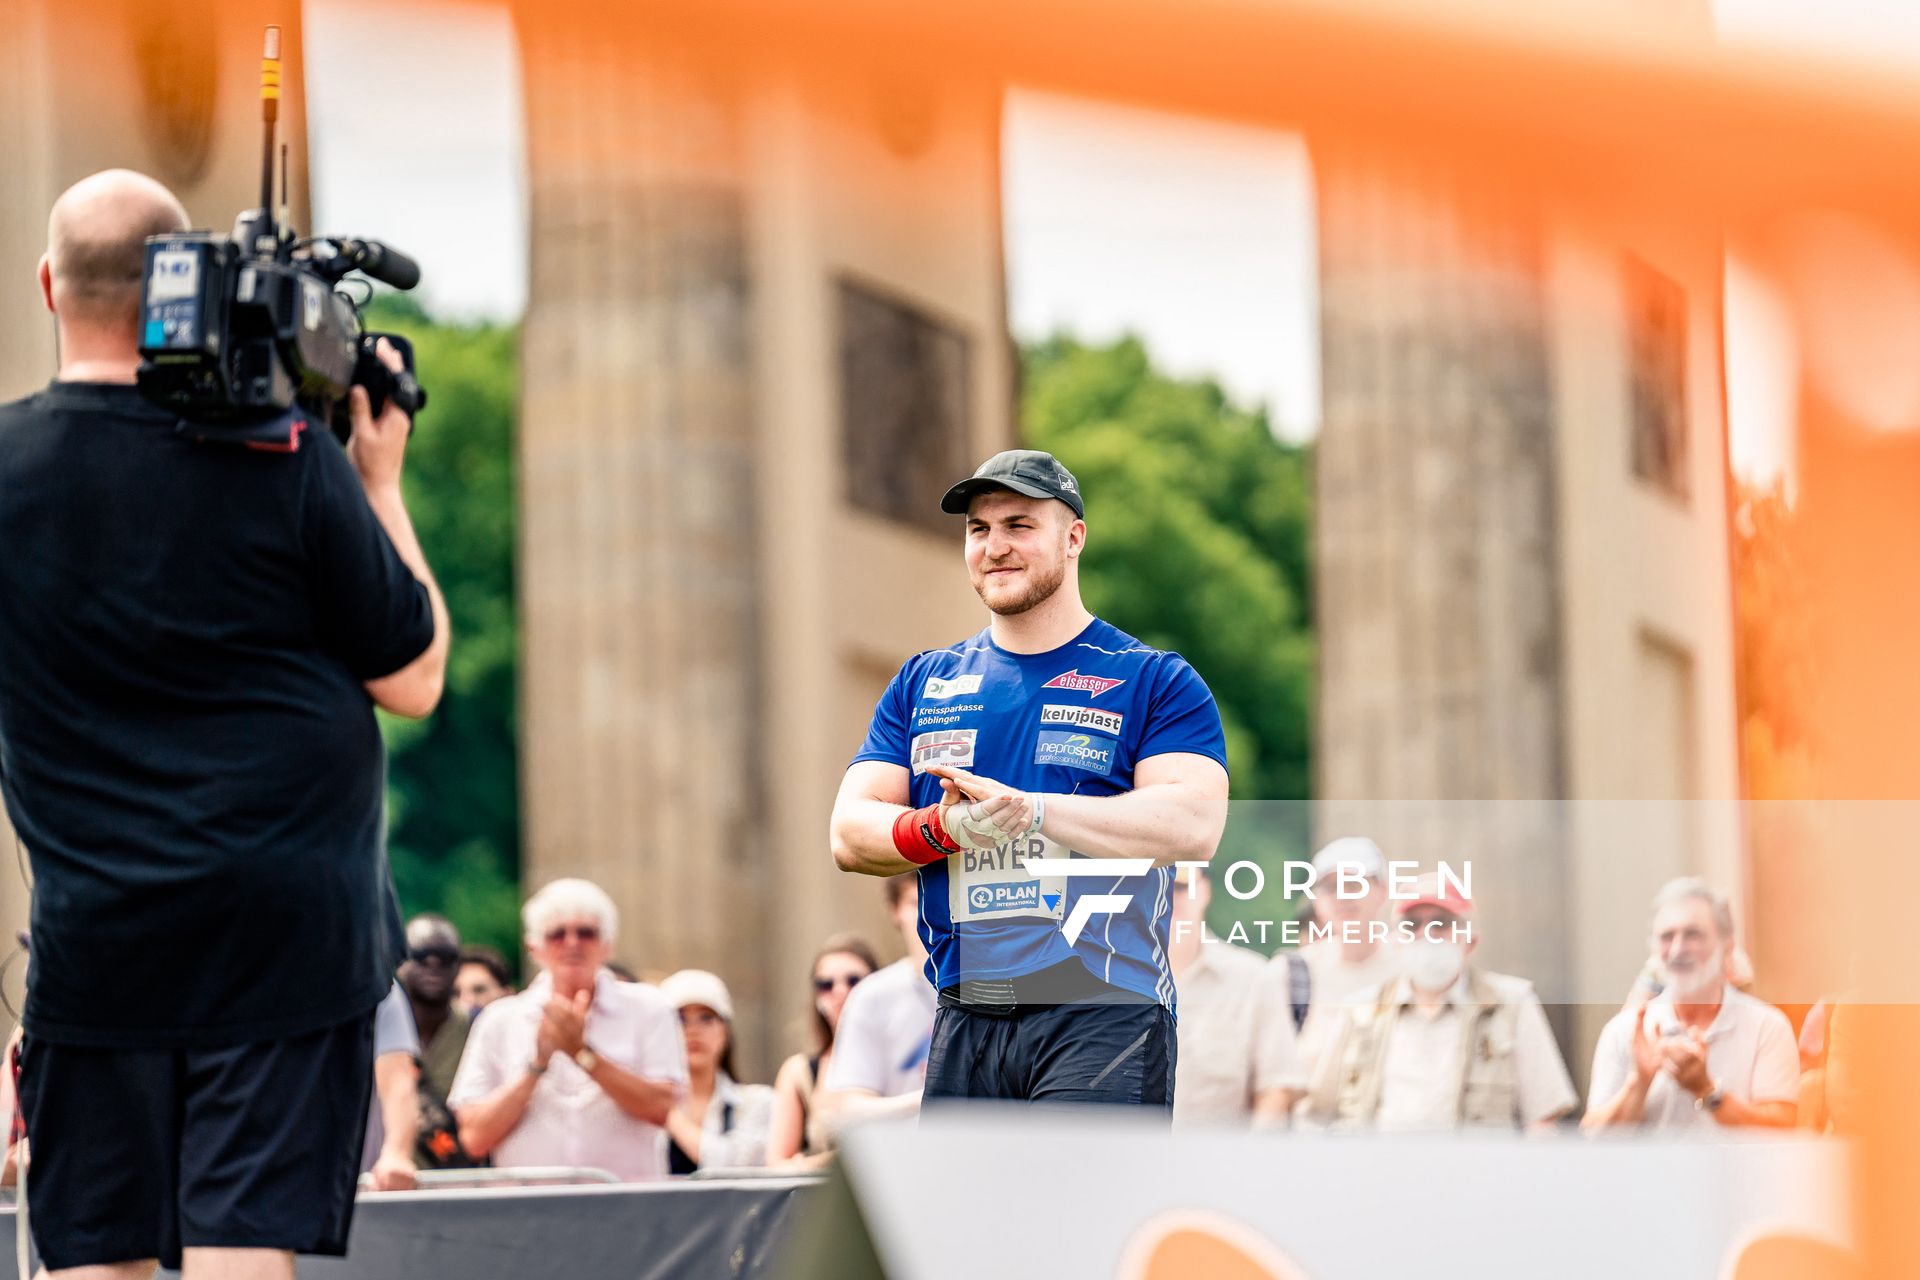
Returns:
<point x="193" y="637"/>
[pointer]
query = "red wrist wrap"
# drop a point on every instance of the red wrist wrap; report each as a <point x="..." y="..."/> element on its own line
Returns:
<point x="919" y="837"/>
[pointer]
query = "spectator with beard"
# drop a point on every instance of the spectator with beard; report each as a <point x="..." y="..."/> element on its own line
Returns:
<point x="1702" y="1053"/>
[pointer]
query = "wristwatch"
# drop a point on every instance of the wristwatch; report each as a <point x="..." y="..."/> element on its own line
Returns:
<point x="1710" y="1100"/>
<point x="587" y="1059"/>
<point x="536" y="1068"/>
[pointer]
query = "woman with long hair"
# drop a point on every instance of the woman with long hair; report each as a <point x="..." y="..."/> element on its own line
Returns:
<point x="795" y="1135"/>
<point x="719" y="1123"/>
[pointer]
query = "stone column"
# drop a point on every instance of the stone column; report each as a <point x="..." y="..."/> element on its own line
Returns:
<point x="1440" y="721"/>
<point x="637" y="568"/>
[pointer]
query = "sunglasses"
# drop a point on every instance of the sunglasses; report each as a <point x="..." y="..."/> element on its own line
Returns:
<point x="433" y="955"/>
<point x="583" y="932"/>
<point x="824" y="985"/>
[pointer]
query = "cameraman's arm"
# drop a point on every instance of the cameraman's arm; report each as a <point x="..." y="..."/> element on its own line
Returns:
<point x="378" y="448"/>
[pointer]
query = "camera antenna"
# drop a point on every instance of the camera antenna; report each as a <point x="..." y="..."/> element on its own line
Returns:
<point x="254" y="231"/>
<point x="269" y="111"/>
<point x="286" y="198"/>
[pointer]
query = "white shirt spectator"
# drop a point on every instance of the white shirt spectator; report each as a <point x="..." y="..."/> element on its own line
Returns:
<point x="571" y="1121"/>
<point x="734" y="1133"/>
<point x="1751" y="1053"/>
<point x="1235" y="1036"/>
<point x="885" y="1031"/>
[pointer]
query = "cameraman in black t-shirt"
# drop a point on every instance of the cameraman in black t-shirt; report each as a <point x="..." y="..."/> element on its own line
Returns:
<point x="193" y="638"/>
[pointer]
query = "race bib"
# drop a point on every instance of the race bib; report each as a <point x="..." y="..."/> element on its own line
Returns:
<point x="994" y="884"/>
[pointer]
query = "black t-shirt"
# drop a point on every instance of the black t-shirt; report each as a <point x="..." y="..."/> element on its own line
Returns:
<point x="189" y="754"/>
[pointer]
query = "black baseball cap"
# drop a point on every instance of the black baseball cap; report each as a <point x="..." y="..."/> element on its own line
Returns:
<point x="1027" y="471"/>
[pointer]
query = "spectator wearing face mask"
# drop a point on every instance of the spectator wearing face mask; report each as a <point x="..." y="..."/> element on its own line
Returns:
<point x="1444" y="1045"/>
<point x="1701" y="1054"/>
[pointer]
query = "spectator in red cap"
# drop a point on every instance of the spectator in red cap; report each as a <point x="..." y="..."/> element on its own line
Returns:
<point x="1702" y="1054"/>
<point x="1397" y="1062"/>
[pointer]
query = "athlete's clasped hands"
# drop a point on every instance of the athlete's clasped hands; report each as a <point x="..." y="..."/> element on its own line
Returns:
<point x="979" y="813"/>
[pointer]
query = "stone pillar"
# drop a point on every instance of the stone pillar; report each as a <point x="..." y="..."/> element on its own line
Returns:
<point x="638" y="576"/>
<point x="1440" y="718"/>
<point x="741" y="273"/>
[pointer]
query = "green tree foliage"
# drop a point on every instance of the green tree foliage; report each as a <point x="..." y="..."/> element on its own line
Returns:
<point x="453" y="788"/>
<point x="1199" y="540"/>
<point x="1199" y="523"/>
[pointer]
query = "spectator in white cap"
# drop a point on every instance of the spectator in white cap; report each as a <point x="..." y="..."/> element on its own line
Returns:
<point x="580" y="1069"/>
<point x="1347" y="956"/>
<point x="1444" y="1045"/>
<point x="718" y="1123"/>
<point x="1702" y="1054"/>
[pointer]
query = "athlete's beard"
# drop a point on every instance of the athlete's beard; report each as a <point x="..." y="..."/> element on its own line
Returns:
<point x="1040" y="588"/>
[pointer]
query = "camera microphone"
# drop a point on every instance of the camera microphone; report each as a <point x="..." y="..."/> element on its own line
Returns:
<point x="385" y="264"/>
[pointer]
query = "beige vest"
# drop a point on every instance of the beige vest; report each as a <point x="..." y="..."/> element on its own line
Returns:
<point x="1488" y="1085"/>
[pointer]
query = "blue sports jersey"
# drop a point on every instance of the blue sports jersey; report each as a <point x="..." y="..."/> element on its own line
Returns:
<point x="1075" y="720"/>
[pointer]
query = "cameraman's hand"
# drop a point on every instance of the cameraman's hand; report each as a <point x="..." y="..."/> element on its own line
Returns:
<point x="379" y="445"/>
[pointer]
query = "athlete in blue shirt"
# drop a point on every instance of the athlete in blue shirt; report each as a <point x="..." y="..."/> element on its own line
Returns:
<point x="1044" y="775"/>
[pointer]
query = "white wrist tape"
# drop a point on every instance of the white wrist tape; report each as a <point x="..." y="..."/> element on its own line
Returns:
<point x="970" y="832"/>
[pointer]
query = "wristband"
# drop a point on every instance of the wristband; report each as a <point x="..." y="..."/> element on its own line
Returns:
<point x="919" y="838"/>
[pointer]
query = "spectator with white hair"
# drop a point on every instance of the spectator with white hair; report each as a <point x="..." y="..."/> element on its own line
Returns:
<point x="580" y="1069"/>
<point x="1701" y="1054"/>
<point x="1348" y="958"/>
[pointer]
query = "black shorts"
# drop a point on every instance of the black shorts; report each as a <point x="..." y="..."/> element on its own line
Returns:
<point x="138" y="1153"/>
<point x="1117" y="1049"/>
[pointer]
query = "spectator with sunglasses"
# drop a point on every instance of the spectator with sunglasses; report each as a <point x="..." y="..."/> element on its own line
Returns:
<point x="427" y="976"/>
<point x="580" y="1069"/>
<point x="797" y="1135"/>
<point x="886" y="1031"/>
